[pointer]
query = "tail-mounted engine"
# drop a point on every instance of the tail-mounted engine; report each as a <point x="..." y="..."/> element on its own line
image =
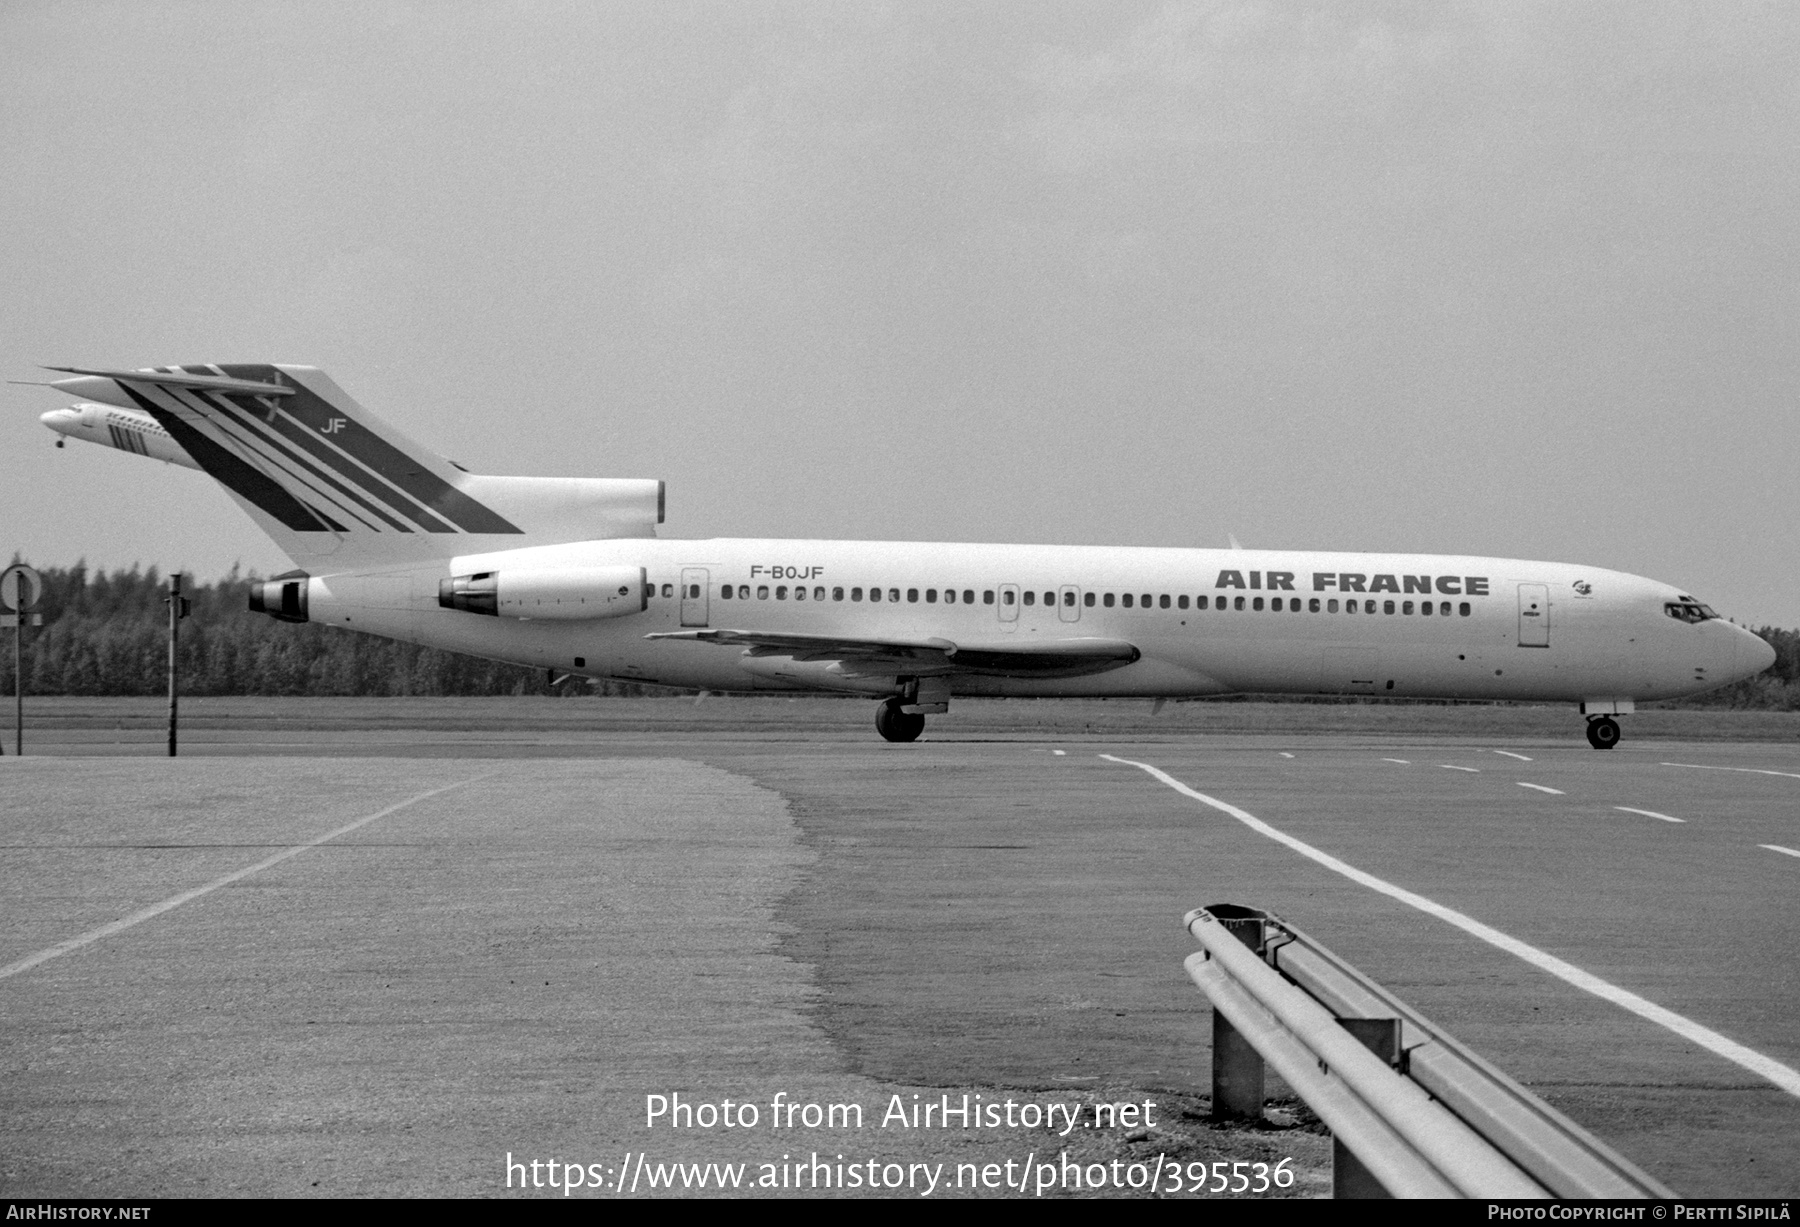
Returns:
<point x="563" y="593"/>
<point x="282" y="598"/>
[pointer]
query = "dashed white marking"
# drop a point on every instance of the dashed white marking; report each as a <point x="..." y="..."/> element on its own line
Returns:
<point x="1510" y="754"/>
<point x="1059" y="753"/>
<point x="186" y="896"/>
<point x="1403" y="762"/>
<point x="1555" y="792"/>
<point x="1783" y="1076"/>
<point x="1752" y="770"/>
<point x="1648" y="813"/>
<point x="1285" y="754"/>
<point x="1454" y="767"/>
<point x="1779" y="848"/>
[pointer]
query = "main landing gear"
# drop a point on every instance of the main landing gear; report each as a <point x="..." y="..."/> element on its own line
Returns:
<point x="1603" y="732"/>
<point x="896" y="725"/>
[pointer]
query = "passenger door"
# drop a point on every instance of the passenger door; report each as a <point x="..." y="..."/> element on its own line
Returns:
<point x="1534" y="615"/>
<point x="694" y="584"/>
<point x="1068" y="606"/>
<point x="1009" y="607"/>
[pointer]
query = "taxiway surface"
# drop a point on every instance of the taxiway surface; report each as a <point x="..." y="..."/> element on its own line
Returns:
<point x="741" y="909"/>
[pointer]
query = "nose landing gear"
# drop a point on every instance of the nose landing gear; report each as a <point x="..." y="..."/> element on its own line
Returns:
<point x="1602" y="732"/>
<point x="896" y="725"/>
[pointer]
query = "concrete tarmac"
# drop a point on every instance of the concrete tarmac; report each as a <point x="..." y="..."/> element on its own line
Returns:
<point x="755" y="907"/>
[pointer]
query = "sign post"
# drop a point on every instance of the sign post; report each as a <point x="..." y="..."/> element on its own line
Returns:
<point x="20" y="588"/>
<point x="178" y="609"/>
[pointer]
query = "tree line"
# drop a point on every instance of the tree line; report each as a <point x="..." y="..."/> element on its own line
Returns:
<point x="107" y="634"/>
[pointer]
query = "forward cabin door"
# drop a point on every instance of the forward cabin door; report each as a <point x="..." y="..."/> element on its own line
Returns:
<point x="693" y="596"/>
<point x="1534" y="615"/>
<point x="1009" y="607"/>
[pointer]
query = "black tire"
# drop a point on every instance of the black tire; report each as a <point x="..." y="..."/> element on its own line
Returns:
<point x="1603" y="733"/>
<point x="896" y="725"/>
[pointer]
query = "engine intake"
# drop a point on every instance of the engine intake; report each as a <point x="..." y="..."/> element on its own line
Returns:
<point x="567" y="594"/>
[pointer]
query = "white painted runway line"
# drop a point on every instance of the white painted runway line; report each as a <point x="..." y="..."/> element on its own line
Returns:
<point x="1402" y="761"/>
<point x="1285" y="754"/>
<point x="1510" y="754"/>
<point x="1751" y="770"/>
<point x="1648" y="813"/>
<point x="1454" y="767"/>
<point x="187" y="896"/>
<point x="1779" y="848"/>
<point x="1555" y="792"/>
<point x="1783" y="1076"/>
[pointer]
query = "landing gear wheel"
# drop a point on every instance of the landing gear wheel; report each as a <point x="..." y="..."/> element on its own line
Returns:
<point x="896" y="725"/>
<point x="1603" y="733"/>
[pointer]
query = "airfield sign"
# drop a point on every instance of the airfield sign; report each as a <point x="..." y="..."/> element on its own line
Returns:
<point x="20" y="588"/>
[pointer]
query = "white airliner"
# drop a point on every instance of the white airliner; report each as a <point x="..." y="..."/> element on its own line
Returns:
<point x="567" y="574"/>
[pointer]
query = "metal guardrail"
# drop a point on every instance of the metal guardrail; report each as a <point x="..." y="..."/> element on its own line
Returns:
<point x="1412" y="1112"/>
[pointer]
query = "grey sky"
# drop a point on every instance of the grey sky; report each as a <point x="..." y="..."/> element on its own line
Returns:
<point x="1514" y="279"/>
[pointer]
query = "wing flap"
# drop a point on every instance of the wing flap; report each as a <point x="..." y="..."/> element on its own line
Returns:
<point x="1052" y="658"/>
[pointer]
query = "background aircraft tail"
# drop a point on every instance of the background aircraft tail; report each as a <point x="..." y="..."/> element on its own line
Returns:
<point x="338" y="488"/>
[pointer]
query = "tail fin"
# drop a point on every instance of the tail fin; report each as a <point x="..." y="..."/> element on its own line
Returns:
<point x="326" y="479"/>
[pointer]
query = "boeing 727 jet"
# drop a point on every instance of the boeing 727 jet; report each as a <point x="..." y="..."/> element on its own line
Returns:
<point x="567" y="574"/>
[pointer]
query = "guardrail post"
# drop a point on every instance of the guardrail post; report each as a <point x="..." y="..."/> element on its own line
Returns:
<point x="1238" y="1074"/>
<point x="1349" y="1178"/>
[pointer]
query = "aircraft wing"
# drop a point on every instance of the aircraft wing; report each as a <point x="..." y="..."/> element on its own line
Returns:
<point x="1052" y="658"/>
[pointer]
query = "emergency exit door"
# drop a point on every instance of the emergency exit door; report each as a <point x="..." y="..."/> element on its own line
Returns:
<point x="1534" y="615"/>
<point x="693" y="596"/>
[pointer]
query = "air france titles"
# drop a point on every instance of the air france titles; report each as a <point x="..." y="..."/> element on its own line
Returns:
<point x="1356" y="581"/>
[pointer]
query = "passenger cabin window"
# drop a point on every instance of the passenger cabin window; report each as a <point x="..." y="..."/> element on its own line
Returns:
<point x="856" y="594"/>
<point x="874" y="594"/>
<point x="1031" y="598"/>
<point x="1088" y="600"/>
<point x="668" y="589"/>
<point x="800" y="593"/>
<point x="949" y="596"/>
<point x="1163" y="601"/>
<point x="1181" y="602"/>
<point x="912" y="595"/>
<point x="1463" y="609"/>
<point x="762" y="592"/>
<point x="837" y="594"/>
<point x="1049" y="598"/>
<point x="893" y="594"/>
<point x="987" y="597"/>
<point x="930" y="596"/>
<point x="781" y="593"/>
<point x="969" y="597"/>
<point x="1239" y="603"/>
<point x="1068" y="598"/>
<point x="1006" y="598"/>
<point x="726" y="592"/>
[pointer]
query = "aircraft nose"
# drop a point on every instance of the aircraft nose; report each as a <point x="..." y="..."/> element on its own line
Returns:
<point x="1754" y="653"/>
<point x="56" y="419"/>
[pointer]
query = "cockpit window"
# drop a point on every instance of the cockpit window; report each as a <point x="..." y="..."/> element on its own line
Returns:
<point x="1687" y="609"/>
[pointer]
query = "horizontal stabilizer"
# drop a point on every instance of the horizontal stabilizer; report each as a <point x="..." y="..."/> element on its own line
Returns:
<point x="180" y="379"/>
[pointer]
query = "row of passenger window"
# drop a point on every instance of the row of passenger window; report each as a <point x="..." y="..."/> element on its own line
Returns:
<point x="1127" y="600"/>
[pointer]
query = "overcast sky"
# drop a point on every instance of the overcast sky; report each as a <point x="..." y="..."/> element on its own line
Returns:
<point x="1512" y="279"/>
